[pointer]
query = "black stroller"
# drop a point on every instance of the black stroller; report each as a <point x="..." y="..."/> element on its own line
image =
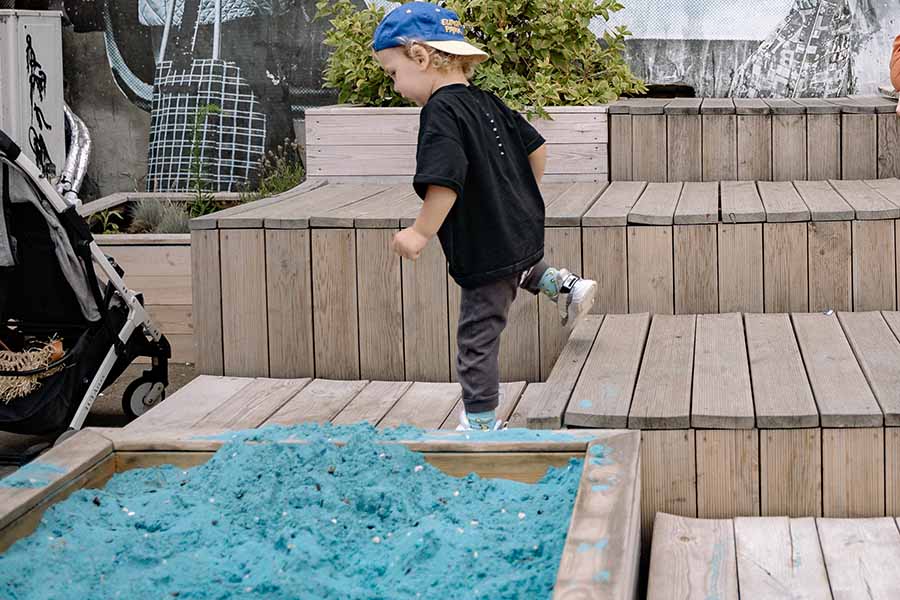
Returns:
<point x="50" y="293"/>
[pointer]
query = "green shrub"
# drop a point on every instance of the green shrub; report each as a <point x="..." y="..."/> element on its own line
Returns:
<point x="542" y="53"/>
<point x="279" y="171"/>
<point x="158" y="216"/>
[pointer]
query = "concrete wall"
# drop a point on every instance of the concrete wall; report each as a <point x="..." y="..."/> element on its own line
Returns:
<point x="120" y="130"/>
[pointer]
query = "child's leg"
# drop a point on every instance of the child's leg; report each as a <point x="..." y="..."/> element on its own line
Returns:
<point x="572" y="294"/>
<point x="482" y="318"/>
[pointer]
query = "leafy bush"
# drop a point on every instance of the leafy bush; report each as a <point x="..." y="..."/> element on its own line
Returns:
<point x="540" y="55"/>
<point x="106" y="221"/>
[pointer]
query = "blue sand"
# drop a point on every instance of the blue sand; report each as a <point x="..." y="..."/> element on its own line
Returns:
<point x="32" y="475"/>
<point x="314" y="520"/>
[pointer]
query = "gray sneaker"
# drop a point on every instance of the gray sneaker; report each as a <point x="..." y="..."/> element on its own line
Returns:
<point x="575" y="297"/>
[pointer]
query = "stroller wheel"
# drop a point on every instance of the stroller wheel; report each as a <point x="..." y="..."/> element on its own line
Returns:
<point x="142" y="395"/>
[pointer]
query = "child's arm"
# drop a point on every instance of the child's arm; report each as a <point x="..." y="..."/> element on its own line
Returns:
<point x="538" y="161"/>
<point x="895" y="67"/>
<point x="438" y="202"/>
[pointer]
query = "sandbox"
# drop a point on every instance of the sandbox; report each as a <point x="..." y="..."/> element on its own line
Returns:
<point x="406" y="523"/>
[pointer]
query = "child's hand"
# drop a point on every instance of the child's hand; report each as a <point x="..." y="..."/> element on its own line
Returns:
<point x="409" y="243"/>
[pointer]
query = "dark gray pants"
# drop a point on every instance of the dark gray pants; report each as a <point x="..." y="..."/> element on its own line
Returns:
<point x="482" y="318"/>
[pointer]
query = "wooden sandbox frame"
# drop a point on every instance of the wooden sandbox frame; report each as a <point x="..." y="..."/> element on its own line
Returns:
<point x="607" y="505"/>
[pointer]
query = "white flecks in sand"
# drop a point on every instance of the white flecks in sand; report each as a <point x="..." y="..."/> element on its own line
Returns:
<point x="521" y="515"/>
<point x="376" y="539"/>
<point x="418" y="468"/>
<point x="456" y="493"/>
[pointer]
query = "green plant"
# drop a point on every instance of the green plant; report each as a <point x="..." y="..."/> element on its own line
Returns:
<point x="279" y="171"/>
<point x="542" y="53"/>
<point x="106" y="221"/>
<point x="155" y="216"/>
<point x="204" y="202"/>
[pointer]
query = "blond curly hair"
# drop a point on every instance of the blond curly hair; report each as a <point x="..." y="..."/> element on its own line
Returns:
<point x="443" y="61"/>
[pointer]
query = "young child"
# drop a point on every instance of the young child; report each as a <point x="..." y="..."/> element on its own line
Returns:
<point x="478" y="166"/>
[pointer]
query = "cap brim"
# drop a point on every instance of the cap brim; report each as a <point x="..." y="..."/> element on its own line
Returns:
<point x="459" y="49"/>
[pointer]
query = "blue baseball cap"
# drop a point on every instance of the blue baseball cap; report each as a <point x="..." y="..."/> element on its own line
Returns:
<point x="427" y="23"/>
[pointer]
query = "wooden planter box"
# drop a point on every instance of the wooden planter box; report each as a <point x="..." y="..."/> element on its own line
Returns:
<point x="607" y="512"/>
<point x="159" y="267"/>
<point x="712" y="139"/>
<point x="362" y="144"/>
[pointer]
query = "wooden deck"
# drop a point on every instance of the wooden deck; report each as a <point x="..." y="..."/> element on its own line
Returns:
<point x="712" y="139"/>
<point x="778" y="557"/>
<point x="270" y="277"/>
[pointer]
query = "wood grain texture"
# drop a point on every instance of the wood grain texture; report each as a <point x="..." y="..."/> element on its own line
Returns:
<point x="853" y="472"/>
<point x="650" y="270"/>
<point x="668" y="476"/>
<point x="790" y="472"/>
<point x="606" y="262"/>
<point x="782" y="202"/>
<point x="253" y="404"/>
<point x="425" y="334"/>
<point x="318" y="402"/>
<point x="859" y="141"/>
<point x="649" y="147"/>
<point x="656" y="206"/>
<point x="696" y="269"/>
<point x="874" y="265"/>
<point x="289" y="303"/>
<point x="380" y="306"/>
<point x="823" y="144"/>
<point x="785" y="267"/>
<point x="620" y="145"/>
<point x="741" y="202"/>
<point x="614" y="204"/>
<point x="878" y="352"/>
<point x="721" y="395"/>
<point x="727" y="473"/>
<point x="740" y="263"/>
<point x="861" y="554"/>
<point x="206" y="293"/>
<point x="684" y="140"/>
<point x="699" y="203"/>
<point x="244" y="326"/>
<point x="754" y="147"/>
<point x="830" y="266"/>
<point x="334" y="287"/>
<point x="789" y="147"/>
<point x="824" y="203"/>
<point x="719" y="147"/>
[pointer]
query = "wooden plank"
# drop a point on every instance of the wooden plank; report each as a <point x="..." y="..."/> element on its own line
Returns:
<point x="785" y="267"/>
<point x="528" y="403"/>
<point x="606" y="262"/>
<point x="692" y="558"/>
<point x="740" y="262"/>
<point x="874" y="266"/>
<point x="721" y="397"/>
<point x="649" y="146"/>
<point x="244" y="316"/>
<point x="684" y="145"/>
<point x="206" y="294"/>
<point x="292" y="211"/>
<point x="562" y="248"/>
<point x="789" y="146"/>
<point x="782" y="202"/>
<point x="191" y="403"/>
<point x="372" y="403"/>
<point x="425" y="333"/>
<point x="696" y="265"/>
<point x="842" y="394"/>
<point x="754" y="146"/>
<point x="64" y="463"/>
<point x="651" y="286"/>
<point x="572" y="204"/>
<point x="886" y="187"/>
<point x="424" y="405"/>
<point x="717" y="106"/>
<point x="888" y="131"/>
<point x="784" y="106"/>
<point x="253" y="404"/>
<point x="892" y="470"/>
<point x="318" y="402"/>
<point x="683" y="106"/>
<point x="603" y="393"/>
<point x="865" y="200"/>
<point x="751" y="106"/>
<point x="778" y="557"/>
<point x="817" y="106"/>
<point x="510" y="393"/>
<point x="614" y="204"/>
<point x="741" y="203"/>
<point x="380" y="306"/>
<point x="878" y="353"/>
<point x="861" y="554"/>
<point x="824" y="203"/>
<point x="699" y="203"/>
<point x="152" y="260"/>
<point x="526" y="467"/>
<point x="781" y="391"/>
<point x="233" y="217"/>
<point x="548" y="414"/>
<point x="289" y="303"/>
<point x="601" y="555"/>
<point x="830" y="266"/>
<point x="620" y="147"/>
<point x="719" y="146"/>
<point x="380" y="210"/>
<point x="727" y="473"/>
<point x="662" y="396"/>
<point x="668" y="476"/>
<point x="823" y="146"/>
<point x="656" y="206"/>
<point x="648" y="106"/>
<point x="334" y="293"/>
<point x="859" y="146"/>
<point x="790" y="472"/>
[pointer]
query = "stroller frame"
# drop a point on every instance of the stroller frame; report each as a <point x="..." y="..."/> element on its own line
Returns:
<point x="137" y="314"/>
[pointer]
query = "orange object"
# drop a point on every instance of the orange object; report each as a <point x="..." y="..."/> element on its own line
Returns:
<point x="895" y="64"/>
<point x="57" y="347"/>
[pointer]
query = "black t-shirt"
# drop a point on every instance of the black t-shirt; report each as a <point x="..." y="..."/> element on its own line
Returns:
<point x="472" y="143"/>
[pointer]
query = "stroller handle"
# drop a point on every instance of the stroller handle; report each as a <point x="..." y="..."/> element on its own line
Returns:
<point x="8" y="147"/>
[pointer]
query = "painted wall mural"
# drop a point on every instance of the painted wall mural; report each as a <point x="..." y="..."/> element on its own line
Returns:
<point x="764" y="48"/>
<point x="258" y="61"/>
